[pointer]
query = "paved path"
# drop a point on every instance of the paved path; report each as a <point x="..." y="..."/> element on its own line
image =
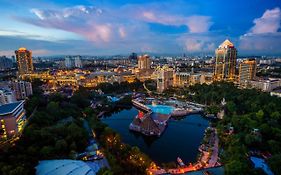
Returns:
<point x="214" y="156"/>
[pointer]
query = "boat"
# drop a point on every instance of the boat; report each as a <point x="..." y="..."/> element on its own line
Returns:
<point x="180" y="161"/>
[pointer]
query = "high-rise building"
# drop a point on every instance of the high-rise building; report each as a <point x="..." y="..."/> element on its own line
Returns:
<point x="247" y="70"/>
<point x="5" y="63"/>
<point x="226" y="56"/>
<point x="24" y="61"/>
<point x="12" y="119"/>
<point x="77" y="62"/>
<point x="71" y="62"/>
<point x="68" y="62"/>
<point x="164" y="78"/>
<point x="22" y="89"/>
<point x="144" y="62"/>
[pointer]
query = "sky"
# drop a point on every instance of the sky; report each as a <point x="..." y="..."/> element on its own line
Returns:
<point x="110" y="27"/>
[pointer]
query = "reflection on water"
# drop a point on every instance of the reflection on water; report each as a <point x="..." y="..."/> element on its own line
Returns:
<point x="180" y="139"/>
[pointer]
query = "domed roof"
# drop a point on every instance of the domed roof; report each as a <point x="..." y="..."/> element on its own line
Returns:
<point x="66" y="167"/>
<point x="226" y="43"/>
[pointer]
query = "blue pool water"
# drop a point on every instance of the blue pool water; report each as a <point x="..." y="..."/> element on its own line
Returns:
<point x="113" y="99"/>
<point x="162" y="109"/>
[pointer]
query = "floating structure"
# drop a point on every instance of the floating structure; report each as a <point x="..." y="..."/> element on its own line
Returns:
<point x="145" y="124"/>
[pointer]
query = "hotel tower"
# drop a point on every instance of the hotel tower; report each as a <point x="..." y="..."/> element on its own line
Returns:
<point x="24" y="61"/>
<point x="226" y="56"/>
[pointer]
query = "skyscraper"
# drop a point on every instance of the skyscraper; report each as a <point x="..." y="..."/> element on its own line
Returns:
<point x="24" y="61"/>
<point x="226" y="56"/>
<point x="144" y="62"/>
<point x="247" y="70"/>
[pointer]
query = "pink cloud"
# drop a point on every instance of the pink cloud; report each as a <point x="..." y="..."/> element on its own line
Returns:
<point x="127" y="25"/>
<point x="199" y="24"/>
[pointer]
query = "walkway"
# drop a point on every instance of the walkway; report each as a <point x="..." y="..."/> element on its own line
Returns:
<point x="141" y="106"/>
<point x="214" y="157"/>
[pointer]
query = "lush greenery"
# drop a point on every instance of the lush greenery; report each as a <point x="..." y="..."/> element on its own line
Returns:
<point x="55" y="130"/>
<point x="246" y="110"/>
<point x="123" y="159"/>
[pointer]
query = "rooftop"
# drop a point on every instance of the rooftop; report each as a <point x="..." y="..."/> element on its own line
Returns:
<point x="226" y="43"/>
<point x="9" y="108"/>
<point x="22" y="49"/>
<point x="66" y="167"/>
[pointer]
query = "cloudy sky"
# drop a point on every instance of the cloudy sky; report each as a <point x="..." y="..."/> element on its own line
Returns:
<point x="106" y="27"/>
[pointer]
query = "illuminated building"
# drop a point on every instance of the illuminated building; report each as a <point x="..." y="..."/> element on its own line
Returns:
<point x="22" y="89"/>
<point x="225" y="63"/>
<point x="164" y="78"/>
<point x="181" y="79"/>
<point x="144" y="70"/>
<point x="12" y="119"/>
<point x="144" y="62"/>
<point x="24" y="61"/>
<point x="247" y="70"/>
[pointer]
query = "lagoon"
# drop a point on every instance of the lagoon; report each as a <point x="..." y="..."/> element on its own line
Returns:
<point x="180" y="139"/>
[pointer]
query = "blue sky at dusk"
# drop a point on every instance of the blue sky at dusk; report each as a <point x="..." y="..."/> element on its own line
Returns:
<point x="106" y="27"/>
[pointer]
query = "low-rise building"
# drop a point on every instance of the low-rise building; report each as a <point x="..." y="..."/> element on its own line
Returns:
<point x="276" y="93"/>
<point x="184" y="79"/>
<point x="12" y="118"/>
<point x="265" y="85"/>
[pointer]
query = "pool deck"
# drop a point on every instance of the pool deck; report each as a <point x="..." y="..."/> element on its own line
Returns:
<point x="155" y="120"/>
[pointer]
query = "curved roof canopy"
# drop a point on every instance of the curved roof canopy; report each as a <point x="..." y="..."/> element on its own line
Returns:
<point x="65" y="167"/>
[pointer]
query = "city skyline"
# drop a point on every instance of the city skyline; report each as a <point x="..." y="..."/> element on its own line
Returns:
<point x="121" y="27"/>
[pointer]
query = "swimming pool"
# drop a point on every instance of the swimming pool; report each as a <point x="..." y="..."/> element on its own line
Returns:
<point x="162" y="109"/>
